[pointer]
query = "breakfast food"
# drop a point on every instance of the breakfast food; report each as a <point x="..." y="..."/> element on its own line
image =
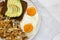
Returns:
<point x="31" y="11"/>
<point x="28" y="27"/>
<point x="30" y="20"/>
<point x="18" y="20"/>
<point x="14" y="8"/>
<point x="9" y="27"/>
<point x="24" y="7"/>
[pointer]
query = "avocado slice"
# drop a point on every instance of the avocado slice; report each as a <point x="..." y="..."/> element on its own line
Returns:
<point x="24" y="6"/>
<point x="14" y="8"/>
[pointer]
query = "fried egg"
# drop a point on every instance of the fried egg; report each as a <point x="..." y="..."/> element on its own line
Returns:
<point x="30" y="20"/>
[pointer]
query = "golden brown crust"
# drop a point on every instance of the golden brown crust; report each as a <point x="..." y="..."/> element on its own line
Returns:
<point x="4" y="7"/>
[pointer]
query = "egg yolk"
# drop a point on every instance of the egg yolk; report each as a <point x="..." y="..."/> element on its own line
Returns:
<point x="28" y="27"/>
<point x="31" y="11"/>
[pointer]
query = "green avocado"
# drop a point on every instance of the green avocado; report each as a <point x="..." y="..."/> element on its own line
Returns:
<point x="14" y="8"/>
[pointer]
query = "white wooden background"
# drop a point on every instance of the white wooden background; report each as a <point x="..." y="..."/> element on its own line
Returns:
<point x="50" y="24"/>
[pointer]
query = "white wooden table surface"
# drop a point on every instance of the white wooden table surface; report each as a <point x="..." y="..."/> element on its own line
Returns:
<point x="50" y="20"/>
